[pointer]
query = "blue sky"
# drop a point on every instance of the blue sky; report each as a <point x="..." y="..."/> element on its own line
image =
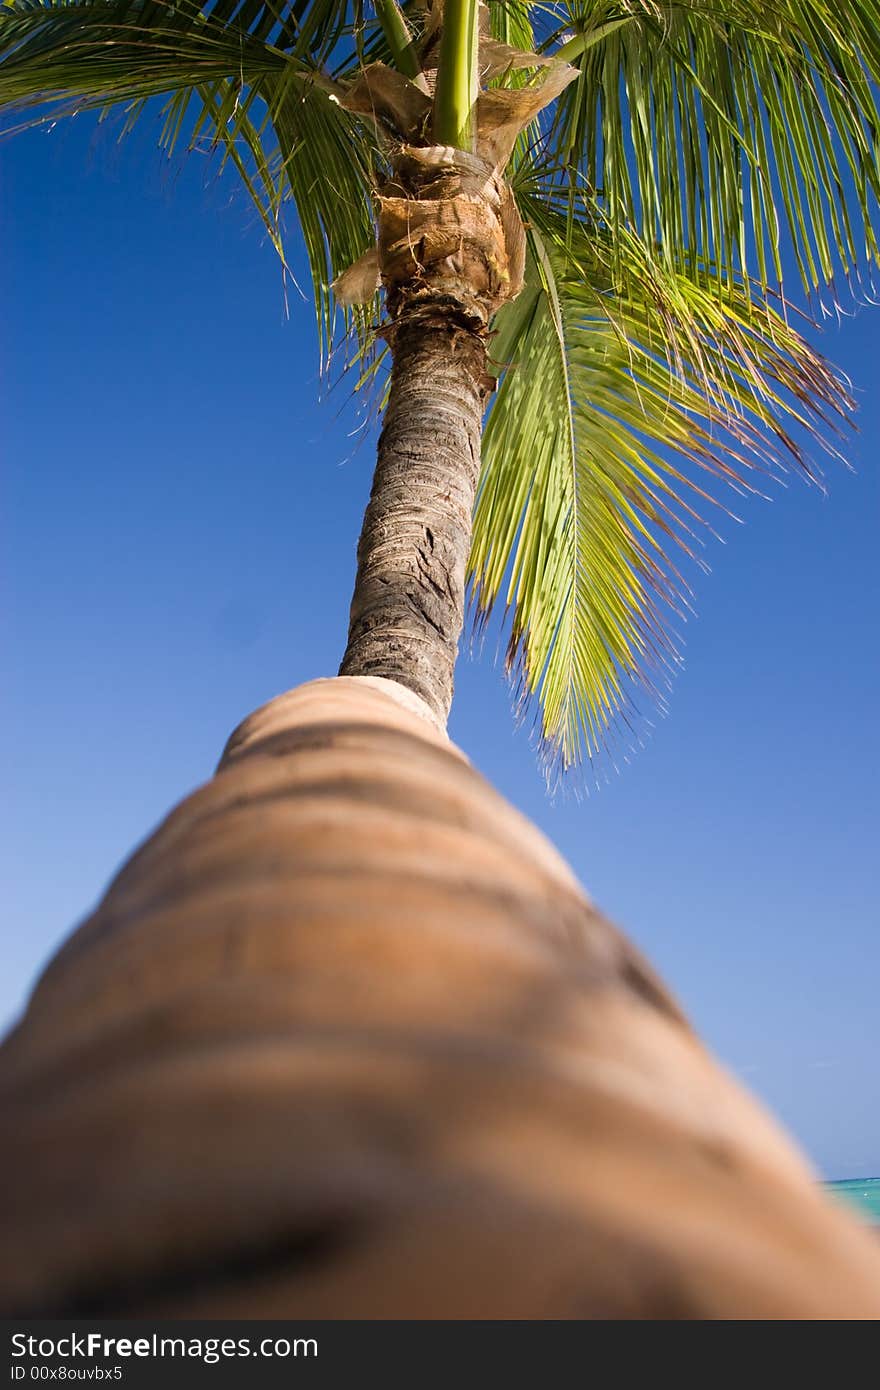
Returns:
<point x="178" y="516"/>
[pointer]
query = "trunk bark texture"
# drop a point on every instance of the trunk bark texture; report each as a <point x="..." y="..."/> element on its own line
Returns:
<point x="407" y="612"/>
<point x="450" y="252"/>
<point x="346" y="1039"/>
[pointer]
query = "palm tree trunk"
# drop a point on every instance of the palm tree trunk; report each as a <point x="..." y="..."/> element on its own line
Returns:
<point x="451" y="252"/>
<point x="346" y="1039"/>
<point x="407" y="611"/>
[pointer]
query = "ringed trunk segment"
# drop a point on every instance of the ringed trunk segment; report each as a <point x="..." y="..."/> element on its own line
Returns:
<point x="345" y="1038"/>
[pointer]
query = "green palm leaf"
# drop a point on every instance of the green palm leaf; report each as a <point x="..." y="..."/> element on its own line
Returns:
<point x="626" y="392"/>
<point x="247" y="80"/>
<point x="712" y="126"/>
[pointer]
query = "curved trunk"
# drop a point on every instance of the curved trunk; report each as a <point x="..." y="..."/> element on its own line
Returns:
<point x="407" y="611"/>
<point x="345" y="1038"/>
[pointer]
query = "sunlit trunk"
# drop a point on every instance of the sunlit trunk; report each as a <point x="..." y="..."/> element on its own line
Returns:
<point x="346" y="1039"/>
<point x="450" y="249"/>
<point x="408" y="606"/>
<point x="444" y="249"/>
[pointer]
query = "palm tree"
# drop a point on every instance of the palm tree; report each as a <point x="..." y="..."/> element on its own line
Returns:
<point x="345" y="1034"/>
<point x="592" y="204"/>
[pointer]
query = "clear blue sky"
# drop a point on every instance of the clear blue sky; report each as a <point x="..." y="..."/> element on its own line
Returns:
<point x="178" y="516"/>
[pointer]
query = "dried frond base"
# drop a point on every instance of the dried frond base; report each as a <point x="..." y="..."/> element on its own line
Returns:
<point x="448" y="227"/>
<point x="447" y="222"/>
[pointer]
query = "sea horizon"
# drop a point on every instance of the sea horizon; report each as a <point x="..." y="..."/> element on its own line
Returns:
<point x="862" y="1194"/>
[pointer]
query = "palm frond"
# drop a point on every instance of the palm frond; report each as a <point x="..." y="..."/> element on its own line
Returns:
<point x="716" y="127"/>
<point x="628" y="392"/>
<point x="245" y="79"/>
<point x="511" y="22"/>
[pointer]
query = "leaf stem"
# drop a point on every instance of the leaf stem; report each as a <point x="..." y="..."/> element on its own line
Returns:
<point x="396" y="31"/>
<point x="577" y="46"/>
<point x="455" y="96"/>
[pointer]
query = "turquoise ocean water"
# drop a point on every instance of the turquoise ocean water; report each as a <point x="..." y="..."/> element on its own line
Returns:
<point x="861" y="1193"/>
